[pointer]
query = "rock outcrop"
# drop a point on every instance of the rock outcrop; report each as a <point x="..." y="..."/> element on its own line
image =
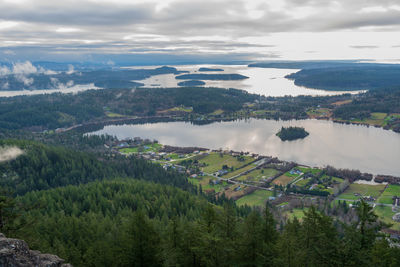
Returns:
<point x="15" y="253"/>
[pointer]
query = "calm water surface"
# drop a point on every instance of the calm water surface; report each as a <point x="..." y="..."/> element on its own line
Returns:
<point x="269" y="82"/>
<point x="370" y="149"/>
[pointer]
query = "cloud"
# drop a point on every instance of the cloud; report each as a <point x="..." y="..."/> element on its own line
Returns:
<point x="4" y="70"/>
<point x="70" y="70"/>
<point x="8" y="153"/>
<point x="5" y="86"/>
<point x="82" y="28"/>
<point x="364" y="46"/>
<point x="56" y="84"/>
<point x="24" y="68"/>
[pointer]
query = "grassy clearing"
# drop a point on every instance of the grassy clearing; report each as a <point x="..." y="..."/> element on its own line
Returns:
<point x="239" y="171"/>
<point x="146" y="148"/>
<point x="319" y="112"/>
<point x="257" y="198"/>
<point x="217" y="112"/>
<point x="314" y="171"/>
<point x="385" y="214"/>
<point x="258" y="174"/>
<point x="376" y="118"/>
<point x="362" y="189"/>
<point x="390" y="191"/>
<point x="114" y="115"/>
<point x="180" y="109"/>
<point x="205" y="184"/>
<point x="214" y="162"/>
<point x="283" y="180"/>
<point x="343" y="102"/>
<point x="298" y="213"/>
<point x="303" y="182"/>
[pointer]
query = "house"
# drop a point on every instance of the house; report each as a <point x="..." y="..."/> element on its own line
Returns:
<point x="369" y="198"/>
<point x="222" y="172"/>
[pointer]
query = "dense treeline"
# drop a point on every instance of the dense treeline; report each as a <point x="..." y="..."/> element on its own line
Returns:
<point x="292" y="133"/>
<point x="43" y="167"/>
<point x="133" y="223"/>
<point x="62" y="110"/>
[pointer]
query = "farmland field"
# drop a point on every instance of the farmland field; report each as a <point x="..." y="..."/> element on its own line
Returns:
<point x="362" y="189"/>
<point x="385" y="214"/>
<point x="215" y="161"/>
<point x="205" y="183"/>
<point x="283" y="180"/>
<point x="239" y="171"/>
<point x="258" y="174"/>
<point x="257" y="198"/>
<point x="390" y="191"/>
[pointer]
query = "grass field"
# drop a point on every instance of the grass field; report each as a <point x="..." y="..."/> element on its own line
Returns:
<point x="385" y="214"/>
<point x="390" y="191"/>
<point x="217" y="112"/>
<point x="205" y="183"/>
<point x="283" y="180"/>
<point x="258" y="174"/>
<point x="303" y="182"/>
<point x="362" y="189"/>
<point x="182" y="109"/>
<point x="239" y="171"/>
<point x="319" y="112"/>
<point x="298" y="213"/>
<point x="215" y="162"/>
<point x="147" y="148"/>
<point x="114" y="115"/>
<point x="257" y="198"/>
<point x="376" y="118"/>
<point x="312" y="170"/>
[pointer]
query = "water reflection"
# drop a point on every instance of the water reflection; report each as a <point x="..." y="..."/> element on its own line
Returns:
<point x="269" y="82"/>
<point x="370" y="149"/>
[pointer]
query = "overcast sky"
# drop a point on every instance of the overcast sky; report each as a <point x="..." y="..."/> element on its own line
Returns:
<point x="226" y="29"/>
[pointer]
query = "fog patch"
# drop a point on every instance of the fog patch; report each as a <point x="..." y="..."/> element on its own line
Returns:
<point x="71" y="70"/>
<point x="59" y="85"/>
<point x="8" y="153"/>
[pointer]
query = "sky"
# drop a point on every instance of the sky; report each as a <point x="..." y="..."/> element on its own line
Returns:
<point x="204" y="30"/>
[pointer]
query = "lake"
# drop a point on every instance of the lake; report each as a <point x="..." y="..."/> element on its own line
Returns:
<point x="367" y="149"/>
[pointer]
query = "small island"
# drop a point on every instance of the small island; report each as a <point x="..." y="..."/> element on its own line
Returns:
<point x="191" y="83"/>
<point x="292" y="133"/>
<point x="212" y="77"/>
<point x="210" y="69"/>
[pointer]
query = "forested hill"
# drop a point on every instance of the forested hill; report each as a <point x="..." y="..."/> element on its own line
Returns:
<point x="43" y="167"/>
<point x="357" y="77"/>
<point x="136" y="223"/>
<point x="41" y="112"/>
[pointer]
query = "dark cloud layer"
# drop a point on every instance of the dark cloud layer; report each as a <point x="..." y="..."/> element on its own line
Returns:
<point x="180" y="26"/>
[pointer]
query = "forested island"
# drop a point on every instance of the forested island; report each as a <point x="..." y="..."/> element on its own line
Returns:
<point x="210" y="69"/>
<point x="292" y="133"/>
<point x="214" y="77"/>
<point x="347" y="78"/>
<point x="191" y="83"/>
